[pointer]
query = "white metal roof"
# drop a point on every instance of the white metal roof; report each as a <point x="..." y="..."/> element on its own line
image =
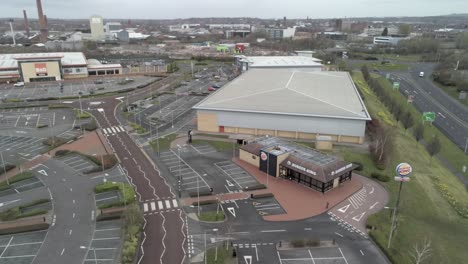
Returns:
<point x="281" y="61"/>
<point x="67" y="58"/>
<point x="320" y="94"/>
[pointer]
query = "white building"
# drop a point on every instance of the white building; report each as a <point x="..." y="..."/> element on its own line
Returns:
<point x="387" y="40"/>
<point x="97" y="28"/>
<point x="293" y="63"/>
<point x="281" y="33"/>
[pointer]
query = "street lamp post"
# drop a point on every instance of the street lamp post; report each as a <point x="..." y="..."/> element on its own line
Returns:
<point x="4" y="169"/>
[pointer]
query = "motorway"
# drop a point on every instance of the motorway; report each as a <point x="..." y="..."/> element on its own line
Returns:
<point x="451" y="115"/>
<point x="164" y="236"/>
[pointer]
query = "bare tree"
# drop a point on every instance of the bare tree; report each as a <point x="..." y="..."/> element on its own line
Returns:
<point x="418" y="132"/>
<point x="421" y="252"/>
<point x="433" y="147"/>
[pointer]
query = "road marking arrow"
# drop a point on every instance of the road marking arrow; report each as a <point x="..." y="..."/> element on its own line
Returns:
<point x="372" y="206"/>
<point x="248" y="259"/>
<point x="229" y="183"/>
<point x="372" y="191"/>
<point x="358" y="217"/>
<point x="256" y="203"/>
<point x="344" y="208"/>
<point x="232" y="211"/>
<point x="43" y="172"/>
<point x="9" y="202"/>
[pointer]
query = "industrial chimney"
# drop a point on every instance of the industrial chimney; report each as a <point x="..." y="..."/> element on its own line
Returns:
<point x="26" y="23"/>
<point x="42" y="23"/>
<point x="46" y="23"/>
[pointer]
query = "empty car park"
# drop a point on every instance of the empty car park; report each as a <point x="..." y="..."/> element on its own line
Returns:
<point x="78" y="163"/>
<point x="238" y="175"/>
<point x="322" y="255"/>
<point x="21" y="248"/>
<point x="105" y="244"/>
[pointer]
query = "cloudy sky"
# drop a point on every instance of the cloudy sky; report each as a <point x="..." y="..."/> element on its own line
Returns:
<point x="166" y="9"/>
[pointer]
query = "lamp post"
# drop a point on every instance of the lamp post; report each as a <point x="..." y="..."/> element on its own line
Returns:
<point x="4" y="169"/>
<point x="204" y="255"/>
<point x="179" y="148"/>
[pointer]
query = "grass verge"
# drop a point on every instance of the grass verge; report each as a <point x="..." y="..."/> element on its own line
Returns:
<point x="126" y="191"/>
<point x="164" y="142"/>
<point x="18" y="211"/>
<point x="81" y="115"/>
<point x="18" y="177"/>
<point x="139" y="129"/>
<point x="424" y="211"/>
<point x="212" y="216"/>
<point x="218" y="145"/>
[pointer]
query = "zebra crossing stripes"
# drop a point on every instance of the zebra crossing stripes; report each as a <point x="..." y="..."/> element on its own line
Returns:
<point x="112" y="130"/>
<point x="161" y="205"/>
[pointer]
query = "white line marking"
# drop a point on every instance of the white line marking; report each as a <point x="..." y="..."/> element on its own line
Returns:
<point x="160" y="205"/>
<point x="63" y="250"/>
<point x="339" y="234"/>
<point x="272" y="231"/>
<point x="168" y="204"/>
<point x="153" y="206"/>
<point x="174" y="203"/>
<point x="145" y="207"/>
<point x="343" y="255"/>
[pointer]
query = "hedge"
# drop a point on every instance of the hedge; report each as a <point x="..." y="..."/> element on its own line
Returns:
<point x="255" y="187"/>
<point x="381" y="177"/>
<point x="262" y="195"/>
<point x="359" y="164"/>
<point x="205" y="202"/>
<point x="202" y="193"/>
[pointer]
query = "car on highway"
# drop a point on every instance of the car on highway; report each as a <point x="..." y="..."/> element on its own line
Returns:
<point x="213" y="88"/>
<point x="421" y="74"/>
<point x="18" y="84"/>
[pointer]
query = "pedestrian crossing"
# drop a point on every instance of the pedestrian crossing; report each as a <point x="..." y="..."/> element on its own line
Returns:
<point x="112" y="130"/>
<point x="160" y="206"/>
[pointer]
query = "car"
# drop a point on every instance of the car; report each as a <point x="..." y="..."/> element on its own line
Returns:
<point x="98" y="82"/>
<point x="421" y="74"/>
<point x="216" y="86"/>
<point x="18" y="84"/>
<point x="211" y="89"/>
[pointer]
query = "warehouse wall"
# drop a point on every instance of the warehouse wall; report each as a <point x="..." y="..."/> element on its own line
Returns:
<point x="28" y="70"/>
<point x="339" y="130"/>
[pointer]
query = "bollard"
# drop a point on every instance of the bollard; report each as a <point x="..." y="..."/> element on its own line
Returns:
<point x="280" y="243"/>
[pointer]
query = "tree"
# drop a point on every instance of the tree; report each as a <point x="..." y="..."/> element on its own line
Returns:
<point x="433" y="147"/>
<point x="461" y="41"/>
<point x="404" y="29"/>
<point x="385" y="32"/>
<point x="418" y="132"/>
<point x="407" y="120"/>
<point x="365" y="72"/>
<point x="421" y="252"/>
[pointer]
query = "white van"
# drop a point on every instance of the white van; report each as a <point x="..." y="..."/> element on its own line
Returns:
<point x="421" y="74"/>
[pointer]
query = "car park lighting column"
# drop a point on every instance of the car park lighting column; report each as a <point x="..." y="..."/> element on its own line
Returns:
<point x="4" y="169"/>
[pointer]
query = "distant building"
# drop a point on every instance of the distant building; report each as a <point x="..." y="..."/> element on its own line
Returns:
<point x="388" y="40"/>
<point x="371" y="31"/>
<point x="97" y="28"/>
<point x="280" y="33"/>
<point x="112" y="27"/>
<point x="334" y="35"/>
<point x="123" y="36"/>
<point x="38" y="67"/>
<point x="293" y="63"/>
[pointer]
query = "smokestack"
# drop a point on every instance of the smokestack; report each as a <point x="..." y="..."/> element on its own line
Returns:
<point x="26" y="23"/>
<point x="46" y="23"/>
<point x="42" y="24"/>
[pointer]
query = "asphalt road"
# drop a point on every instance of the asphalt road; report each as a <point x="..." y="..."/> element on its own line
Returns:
<point x="164" y="233"/>
<point x="73" y="219"/>
<point x="451" y="115"/>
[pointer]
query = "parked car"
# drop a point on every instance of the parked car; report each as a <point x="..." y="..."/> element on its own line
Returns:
<point x="211" y="89"/>
<point x="98" y="82"/>
<point x="19" y="84"/>
<point x="421" y="74"/>
<point x="216" y="86"/>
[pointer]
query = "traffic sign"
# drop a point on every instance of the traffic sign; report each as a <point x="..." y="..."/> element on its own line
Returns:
<point x="429" y="116"/>
<point x="402" y="179"/>
<point x="396" y="85"/>
<point x="404" y="169"/>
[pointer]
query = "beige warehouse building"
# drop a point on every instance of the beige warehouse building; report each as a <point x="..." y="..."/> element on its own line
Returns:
<point x="289" y="104"/>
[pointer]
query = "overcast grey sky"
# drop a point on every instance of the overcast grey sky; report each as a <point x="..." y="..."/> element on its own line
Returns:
<point x="164" y="9"/>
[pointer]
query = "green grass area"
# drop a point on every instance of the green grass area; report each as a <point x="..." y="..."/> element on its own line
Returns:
<point x="18" y="177"/>
<point x="164" y="142"/>
<point x="126" y="190"/>
<point x="218" y="145"/>
<point x="13" y="100"/>
<point x="424" y="212"/>
<point x="139" y="129"/>
<point x="452" y="91"/>
<point x="81" y="115"/>
<point x="212" y="216"/>
<point x="17" y="211"/>
<point x="132" y="223"/>
<point x="224" y="256"/>
<point x="363" y="156"/>
<point x="383" y="67"/>
<point x="211" y="135"/>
